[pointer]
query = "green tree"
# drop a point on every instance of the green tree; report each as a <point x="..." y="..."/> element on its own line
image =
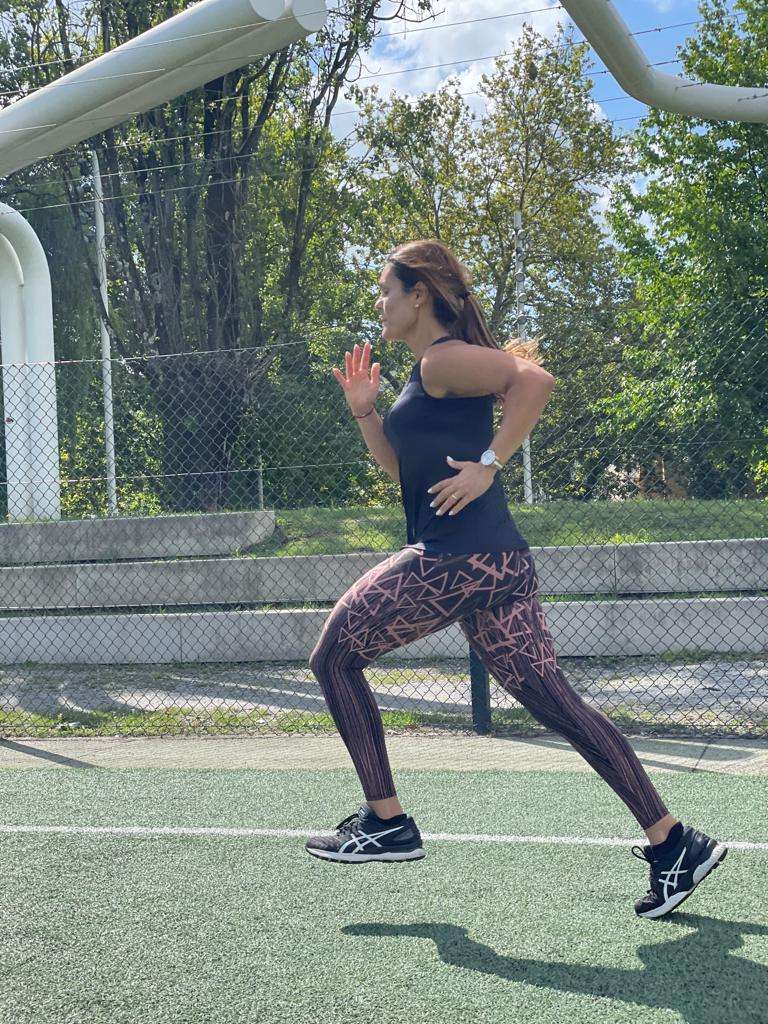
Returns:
<point x="187" y="223"/>
<point x="433" y="168"/>
<point x="691" y="410"/>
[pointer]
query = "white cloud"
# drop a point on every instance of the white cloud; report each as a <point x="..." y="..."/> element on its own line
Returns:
<point x="436" y="49"/>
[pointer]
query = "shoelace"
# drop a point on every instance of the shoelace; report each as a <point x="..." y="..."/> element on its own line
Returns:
<point x="641" y="854"/>
<point x="349" y="823"/>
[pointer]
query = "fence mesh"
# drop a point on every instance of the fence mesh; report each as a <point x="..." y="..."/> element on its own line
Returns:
<point x="247" y="503"/>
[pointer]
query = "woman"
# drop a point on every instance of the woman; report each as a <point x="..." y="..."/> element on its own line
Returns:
<point x="466" y="562"/>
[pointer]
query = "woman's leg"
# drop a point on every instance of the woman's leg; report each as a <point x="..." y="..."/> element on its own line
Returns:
<point x="513" y="641"/>
<point x="408" y="596"/>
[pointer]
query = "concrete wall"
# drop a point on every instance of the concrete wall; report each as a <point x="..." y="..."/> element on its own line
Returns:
<point x="78" y="540"/>
<point x="688" y="567"/>
<point x="579" y="628"/>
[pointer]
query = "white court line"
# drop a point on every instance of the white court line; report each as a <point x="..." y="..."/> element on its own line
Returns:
<point x="290" y="833"/>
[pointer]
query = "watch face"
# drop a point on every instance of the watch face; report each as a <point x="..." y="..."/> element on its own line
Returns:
<point x="487" y="458"/>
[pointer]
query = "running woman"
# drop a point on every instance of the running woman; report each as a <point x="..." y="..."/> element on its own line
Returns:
<point x="466" y="562"/>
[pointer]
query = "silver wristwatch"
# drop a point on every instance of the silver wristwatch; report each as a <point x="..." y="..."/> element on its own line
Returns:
<point x="488" y="458"/>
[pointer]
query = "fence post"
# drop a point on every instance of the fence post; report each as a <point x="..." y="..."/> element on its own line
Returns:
<point x="481" y="694"/>
<point x="522" y="333"/>
<point x="106" y="353"/>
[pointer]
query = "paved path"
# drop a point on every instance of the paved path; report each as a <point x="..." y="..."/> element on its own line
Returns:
<point x="739" y="688"/>
<point x="452" y="753"/>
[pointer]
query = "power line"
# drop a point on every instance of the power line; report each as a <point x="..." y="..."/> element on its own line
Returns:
<point x="186" y="188"/>
<point x="468" y="60"/>
<point x="657" y="28"/>
<point x="189" y="163"/>
<point x="240" y="156"/>
<point x="491" y="56"/>
<point x="384" y="35"/>
<point x="336" y="113"/>
<point x="400" y="71"/>
<point x="241" y="29"/>
<point x="518" y="14"/>
<point x="278" y="175"/>
<point x="346" y="113"/>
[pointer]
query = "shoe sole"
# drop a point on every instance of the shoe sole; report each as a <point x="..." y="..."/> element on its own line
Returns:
<point x="700" y="873"/>
<point x="361" y="858"/>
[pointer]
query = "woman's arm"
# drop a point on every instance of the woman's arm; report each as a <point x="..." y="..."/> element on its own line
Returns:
<point x="464" y="369"/>
<point x="373" y="432"/>
<point x="524" y="402"/>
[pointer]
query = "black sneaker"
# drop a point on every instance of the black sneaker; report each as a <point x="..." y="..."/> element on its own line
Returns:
<point x="363" y="836"/>
<point x="675" y="875"/>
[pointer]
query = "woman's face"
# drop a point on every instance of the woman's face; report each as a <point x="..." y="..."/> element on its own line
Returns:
<point x="395" y="305"/>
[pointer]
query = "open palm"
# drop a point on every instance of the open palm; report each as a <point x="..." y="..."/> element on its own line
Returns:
<point x="360" y="386"/>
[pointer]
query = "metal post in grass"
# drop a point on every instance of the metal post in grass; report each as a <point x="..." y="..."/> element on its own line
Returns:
<point x="522" y="333"/>
<point x="481" y="694"/>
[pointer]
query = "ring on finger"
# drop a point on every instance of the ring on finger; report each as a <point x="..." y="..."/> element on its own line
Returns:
<point x="446" y="504"/>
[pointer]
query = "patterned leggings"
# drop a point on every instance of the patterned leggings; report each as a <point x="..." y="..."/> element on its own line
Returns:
<point x="494" y="598"/>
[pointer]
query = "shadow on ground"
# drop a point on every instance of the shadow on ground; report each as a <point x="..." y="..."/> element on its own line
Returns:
<point x="694" y="975"/>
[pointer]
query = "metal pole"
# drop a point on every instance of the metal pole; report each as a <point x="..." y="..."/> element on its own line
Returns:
<point x="106" y="354"/>
<point x="260" y="476"/>
<point x="522" y="333"/>
<point x="479" y="678"/>
<point x="481" y="694"/>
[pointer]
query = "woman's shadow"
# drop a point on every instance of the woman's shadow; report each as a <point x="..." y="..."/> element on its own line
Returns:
<point x="693" y="975"/>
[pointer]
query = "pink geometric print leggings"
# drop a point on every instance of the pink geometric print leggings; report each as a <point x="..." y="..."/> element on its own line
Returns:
<point x="494" y="598"/>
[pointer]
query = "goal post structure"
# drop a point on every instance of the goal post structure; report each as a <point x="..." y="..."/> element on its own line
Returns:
<point x="607" y="33"/>
<point x="195" y="46"/>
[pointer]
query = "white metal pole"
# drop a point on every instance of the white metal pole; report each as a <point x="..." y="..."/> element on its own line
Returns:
<point x="16" y="399"/>
<point x="606" y="30"/>
<point x="522" y="333"/>
<point x="39" y="365"/>
<point x="106" y="354"/>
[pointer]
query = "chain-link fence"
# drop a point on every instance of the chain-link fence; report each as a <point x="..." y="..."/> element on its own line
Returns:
<point x="247" y="503"/>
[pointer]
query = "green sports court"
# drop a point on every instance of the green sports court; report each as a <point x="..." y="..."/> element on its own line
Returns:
<point x="299" y="302"/>
<point x="166" y="881"/>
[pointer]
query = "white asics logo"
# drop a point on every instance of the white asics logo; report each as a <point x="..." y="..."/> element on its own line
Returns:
<point x="670" y="877"/>
<point x="357" y="844"/>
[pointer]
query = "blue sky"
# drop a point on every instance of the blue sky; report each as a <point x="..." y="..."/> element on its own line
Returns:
<point x="402" y="50"/>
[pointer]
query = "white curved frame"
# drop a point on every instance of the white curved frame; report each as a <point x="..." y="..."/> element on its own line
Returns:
<point x="29" y="375"/>
<point x="194" y="47"/>
<point x="606" y="31"/>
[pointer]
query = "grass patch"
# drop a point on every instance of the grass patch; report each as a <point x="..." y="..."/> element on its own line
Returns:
<point x="646" y="721"/>
<point x="505" y="721"/>
<point x="175" y="722"/>
<point x="330" y="531"/>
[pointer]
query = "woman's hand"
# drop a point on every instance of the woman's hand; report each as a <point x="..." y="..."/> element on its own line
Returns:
<point x="360" y="390"/>
<point x="457" y="491"/>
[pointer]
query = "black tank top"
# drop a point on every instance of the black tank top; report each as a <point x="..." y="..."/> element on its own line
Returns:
<point x="423" y="430"/>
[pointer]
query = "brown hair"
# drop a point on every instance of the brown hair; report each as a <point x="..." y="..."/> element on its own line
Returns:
<point x="448" y="281"/>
